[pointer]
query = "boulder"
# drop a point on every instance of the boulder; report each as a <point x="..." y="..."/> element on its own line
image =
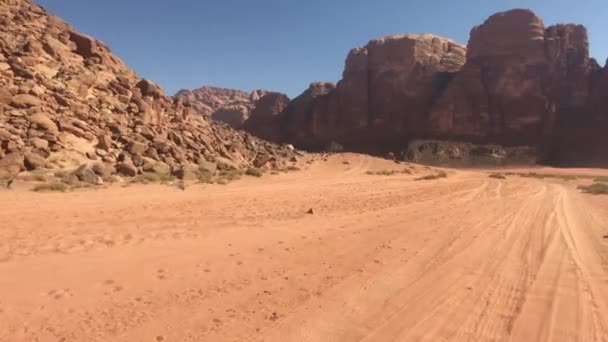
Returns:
<point x="187" y="172"/>
<point x="157" y="167"/>
<point x="225" y="164"/>
<point x="86" y="174"/>
<point x="104" y="142"/>
<point x="25" y="101"/>
<point x="137" y="147"/>
<point x="207" y="166"/>
<point x="102" y="169"/>
<point x="12" y="164"/>
<point x="42" y="122"/>
<point x="261" y="160"/>
<point x="127" y="168"/>
<point x="149" y="88"/>
<point x="33" y="161"/>
<point x="39" y="143"/>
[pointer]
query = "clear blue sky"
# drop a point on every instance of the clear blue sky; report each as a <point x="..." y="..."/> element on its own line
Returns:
<point x="284" y="45"/>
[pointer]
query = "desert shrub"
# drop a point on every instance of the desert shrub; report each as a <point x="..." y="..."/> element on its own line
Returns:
<point x="595" y="189"/>
<point x="33" y="177"/>
<point x="5" y="180"/>
<point x="498" y="176"/>
<point x="532" y="175"/>
<point x="55" y="186"/>
<point x="255" y="172"/>
<point x="385" y="173"/>
<point x="181" y="185"/>
<point x="231" y="175"/>
<point x="152" y="177"/>
<point x="543" y="176"/>
<point x="60" y="174"/>
<point x="440" y="174"/>
<point x="81" y="186"/>
<point x="205" y="177"/>
<point x="388" y="172"/>
<point x="603" y="179"/>
<point x="292" y="168"/>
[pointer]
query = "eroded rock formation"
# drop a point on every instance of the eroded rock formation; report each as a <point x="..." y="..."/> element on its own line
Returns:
<point x="226" y="105"/>
<point x="517" y="83"/>
<point x="66" y="100"/>
<point x="386" y="91"/>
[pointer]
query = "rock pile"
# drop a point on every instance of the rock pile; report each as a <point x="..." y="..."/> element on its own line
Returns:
<point x="66" y="100"/>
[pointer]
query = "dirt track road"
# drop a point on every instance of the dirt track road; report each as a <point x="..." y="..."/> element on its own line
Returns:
<point x="384" y="258"/>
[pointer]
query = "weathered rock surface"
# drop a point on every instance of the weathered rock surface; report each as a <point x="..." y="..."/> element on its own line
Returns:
<point x="64" y="92"/>
<point x="264" y="121"/>
<point x="522" y="84"/>
<point x="385" y="94"/>
<point x="517" y="83"/>
<point x="227" y="105"/>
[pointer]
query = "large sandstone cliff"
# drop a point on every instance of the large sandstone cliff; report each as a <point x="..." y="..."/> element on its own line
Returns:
<point x="65" y="99"/>
<point x="386" y="91"/>
<point x="517" y="83"/>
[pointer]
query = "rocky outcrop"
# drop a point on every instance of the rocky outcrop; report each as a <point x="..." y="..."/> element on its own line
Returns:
<point x="264" y="121"/>
<point x="226" y="105"/>
<point x="498" y="93"/>
<point x="385" y="94"/>
<point x="517" y="83"/>
<point x="522" y="84"/>
<point x="65" y="99"/>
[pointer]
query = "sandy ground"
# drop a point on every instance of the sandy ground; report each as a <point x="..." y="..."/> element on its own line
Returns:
<point x="384" y="258"/>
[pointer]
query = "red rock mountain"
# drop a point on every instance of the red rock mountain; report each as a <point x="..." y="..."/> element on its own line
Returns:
<point x="517" y="83"/>
<point x="383" y="97"/>
<point x="66" y="100"/>
<point x="227" y="105"/>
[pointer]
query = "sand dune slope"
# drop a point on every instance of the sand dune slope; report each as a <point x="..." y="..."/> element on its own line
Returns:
<point x="384" y="258"/>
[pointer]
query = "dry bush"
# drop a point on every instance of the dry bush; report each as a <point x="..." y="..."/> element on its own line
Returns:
<point x="438" y="175"/>
<point x="595" y="189"/>
<point x="55" y="186"/>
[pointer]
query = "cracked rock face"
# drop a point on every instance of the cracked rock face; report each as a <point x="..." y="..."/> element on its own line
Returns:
<point x="65" y="99"/>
